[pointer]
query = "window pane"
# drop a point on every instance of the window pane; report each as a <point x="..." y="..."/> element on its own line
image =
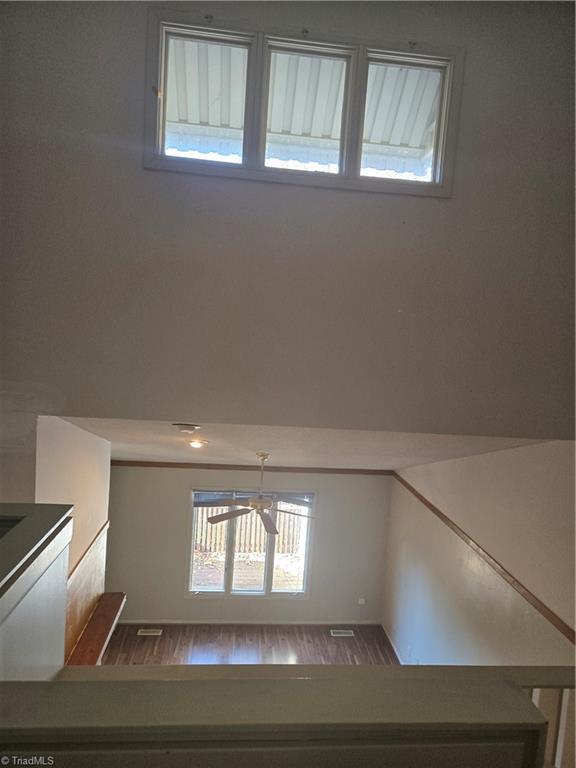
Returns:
<point x="400" y="122"/>
<point x="305" y="112"/>
<point x="290" y="550"/>
<point x="249" y="554"/>
<point x="205" y="98"/>
<point x="208" y="551"/>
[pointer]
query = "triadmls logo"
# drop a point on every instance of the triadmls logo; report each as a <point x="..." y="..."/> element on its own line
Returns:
<point x="32" y="760"/>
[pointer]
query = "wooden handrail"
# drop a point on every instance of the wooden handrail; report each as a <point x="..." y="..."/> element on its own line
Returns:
<point x="96" y="634"/>
<point x="505" y="574"/>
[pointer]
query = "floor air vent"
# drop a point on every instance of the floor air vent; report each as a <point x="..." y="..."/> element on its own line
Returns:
<point x="342" y="632"/>
<point x="149" y="632"/>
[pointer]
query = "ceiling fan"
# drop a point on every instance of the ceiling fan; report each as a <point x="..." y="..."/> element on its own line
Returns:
<point x="260" y="504"/>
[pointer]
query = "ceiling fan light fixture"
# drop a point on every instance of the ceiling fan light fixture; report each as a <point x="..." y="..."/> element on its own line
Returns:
<point x="260" y="503"/>
<point x="198" y="443"/>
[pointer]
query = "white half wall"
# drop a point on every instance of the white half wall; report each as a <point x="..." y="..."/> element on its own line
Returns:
<point x="149" y="547"/>
<point x="32" y="636"/>
<point x="33" y="572"/>
<point x="443" y="604"/>
<point x="73" y="467"/>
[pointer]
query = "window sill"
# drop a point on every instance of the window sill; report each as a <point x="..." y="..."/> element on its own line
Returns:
<point x="300" y="178"/>
<point x="243" y="595"/>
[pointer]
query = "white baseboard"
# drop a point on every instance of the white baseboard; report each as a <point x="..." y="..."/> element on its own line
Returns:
<point x="339" y="622"/>
<point x="392" y="644"/>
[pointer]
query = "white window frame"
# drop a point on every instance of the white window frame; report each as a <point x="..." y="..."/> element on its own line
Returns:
<point x="267" y="592"/>
<point x="274" y="44"/>
<point x="260" y="43"/>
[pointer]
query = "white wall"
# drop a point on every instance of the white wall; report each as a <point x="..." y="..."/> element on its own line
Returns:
<point x="149" y="547"/>
<point x="73" y="467"/>
<point x="141" y="294"/>
<point x="519" y="506"/>
<point x="442" y="603"/>
<point x="19" y="408"/>
<point x="17" y="476"/>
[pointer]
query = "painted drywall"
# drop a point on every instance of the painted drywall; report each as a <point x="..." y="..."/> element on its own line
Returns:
<point x="519" y="506"/>
<point x="443" y="604"/>
<point x="19" y="408"/>
<point x="18" y="476"/>
<point x="143" y="294"/>
<point x="149" y="547"/>
<point x="73" y="467"/>
<point x="32" y="634"/>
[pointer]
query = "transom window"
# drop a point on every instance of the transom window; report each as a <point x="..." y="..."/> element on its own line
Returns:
<point x="205" y="98"/>
<point x="401" y="118"/>
<point x="253" y="105"/>
<point x="238" y="557"/>
<point x="305" y="111"/>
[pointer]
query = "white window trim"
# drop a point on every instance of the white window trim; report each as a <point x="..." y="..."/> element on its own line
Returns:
<point x="227" y="593"/>
<point x="272" y="44"/>
<point x="260" y="43"/>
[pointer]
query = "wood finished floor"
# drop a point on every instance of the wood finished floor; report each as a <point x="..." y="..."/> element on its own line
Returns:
<point x="249" y="644"/>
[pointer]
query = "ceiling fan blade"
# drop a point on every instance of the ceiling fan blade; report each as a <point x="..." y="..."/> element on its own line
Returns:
<point x="229" y="515"/>
<point x="298" y="501"/>
<point x="267" y="522"/>
<point x="296" y="514"/>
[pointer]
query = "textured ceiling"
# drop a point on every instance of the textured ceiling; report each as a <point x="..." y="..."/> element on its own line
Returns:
<point x="288" y="446"/>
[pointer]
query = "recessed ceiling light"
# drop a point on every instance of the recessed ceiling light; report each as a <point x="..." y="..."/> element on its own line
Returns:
<point x="197" y="443"/>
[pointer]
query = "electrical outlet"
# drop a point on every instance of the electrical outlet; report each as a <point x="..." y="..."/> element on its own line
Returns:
<point x="361" y="601"/>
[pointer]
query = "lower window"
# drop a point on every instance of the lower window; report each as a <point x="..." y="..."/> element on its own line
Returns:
<point x="238" y="557"/>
